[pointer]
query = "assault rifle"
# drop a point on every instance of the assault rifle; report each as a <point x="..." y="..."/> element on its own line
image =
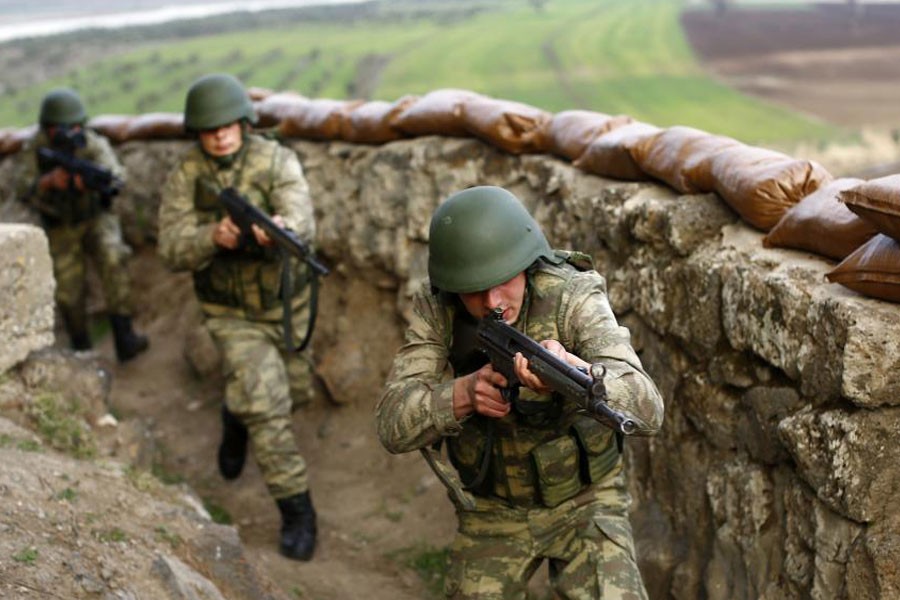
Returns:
<point x="501" y="342"/>
<point x="245" y="215"/>
<point x="95" y="177"/>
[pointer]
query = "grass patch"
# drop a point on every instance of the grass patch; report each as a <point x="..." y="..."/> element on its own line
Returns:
<point x="111" y="535"/>
<point x="428" y="562"/>
<point x="59" y="422"/>
<point x="217" y="512"/>
<point x="173" y="539"/>
<point x="27" y="556"/>
<point x="68" y="494"/>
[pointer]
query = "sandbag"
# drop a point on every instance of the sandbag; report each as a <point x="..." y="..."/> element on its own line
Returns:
<point x="318" y="119"/>
<point x="12" y="140"/>
<point x="155" y="126"/>
<point x="878" y="202"/>
<point x="273" y="108"/>
<point x="872" y="269"/>
<point x="436" y="113"/>
<point x="258" y="94"/>
<point x="761" y="185"/>
<point x="822" y="224"/>
<point x="374" y="122"/>
<point x="512" y="126"/>
<point x="609" y="155"/>
<point x="682" y="157"/>
<point x="568" y="133"/>
<point x="112" y="127"/>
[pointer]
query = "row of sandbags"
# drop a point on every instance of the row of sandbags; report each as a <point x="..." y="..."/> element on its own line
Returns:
<point x="795" y="201"/>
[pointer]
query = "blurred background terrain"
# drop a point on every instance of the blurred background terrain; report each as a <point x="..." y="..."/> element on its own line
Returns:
<point x="781" y="74"/>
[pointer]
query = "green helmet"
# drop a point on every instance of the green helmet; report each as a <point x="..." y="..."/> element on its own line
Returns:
<point x="62" y="106"/>
<point x="482" y="237"/>
<point x="216" y="100"/>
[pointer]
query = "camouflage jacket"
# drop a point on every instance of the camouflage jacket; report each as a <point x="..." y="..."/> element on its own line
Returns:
<point x="56" y="205"/>
<point x="269" y="175"/>
<point x="562" y="303"/>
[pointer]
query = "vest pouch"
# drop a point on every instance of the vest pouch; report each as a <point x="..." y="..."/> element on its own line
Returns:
<point x="466" y="453"/>
<point x="217" y="284"/>
<point x="206" y="195"/>
<point x="268" y="285"/>
<point x="597" y="444"/>
<point x="556" y="464"/>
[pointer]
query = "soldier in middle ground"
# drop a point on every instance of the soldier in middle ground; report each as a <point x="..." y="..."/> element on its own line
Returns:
<point x="238" y="283"/>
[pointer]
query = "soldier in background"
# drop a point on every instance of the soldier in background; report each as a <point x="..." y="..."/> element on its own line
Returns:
<point x="238" y="284"/>
<point x="535" y="479"/>
<point x="79" y="223"/>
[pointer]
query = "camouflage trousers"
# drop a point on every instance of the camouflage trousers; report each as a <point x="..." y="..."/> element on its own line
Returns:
<point x="100" y="240"/>
<point x="264" y="385"/>
<point x="587" y="541"/>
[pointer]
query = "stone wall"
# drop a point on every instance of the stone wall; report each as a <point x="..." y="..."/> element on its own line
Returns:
<point x="778" y="466"/>
<point x="26" y="293"/>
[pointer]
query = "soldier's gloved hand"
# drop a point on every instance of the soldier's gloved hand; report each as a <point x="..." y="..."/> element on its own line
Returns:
<point x="226" y="234"/>
<point x="262" y="238"/>
<point x="479" y="392"/>
<point x="56" y="179"/>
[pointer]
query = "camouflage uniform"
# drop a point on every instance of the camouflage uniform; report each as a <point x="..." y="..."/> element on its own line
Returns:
<point x="555" y="488"/>
<point x="79" y="226"/>
<point x="239" y="292"/>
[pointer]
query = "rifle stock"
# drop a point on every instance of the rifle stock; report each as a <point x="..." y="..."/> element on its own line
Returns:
<point x="501" y="342"/>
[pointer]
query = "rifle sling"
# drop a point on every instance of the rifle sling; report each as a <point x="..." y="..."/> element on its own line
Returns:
<point x="287" y="297"/>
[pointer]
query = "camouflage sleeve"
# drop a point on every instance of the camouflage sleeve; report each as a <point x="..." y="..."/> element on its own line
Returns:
<point x="416" y="407"/>
<point x="26" y="183"/>
<point x="290" y="195"/>
<point x="591" y="328"/>
<point x="184" y="243"/>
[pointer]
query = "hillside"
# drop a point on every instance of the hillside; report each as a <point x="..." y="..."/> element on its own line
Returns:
<point x="605" y="55"/>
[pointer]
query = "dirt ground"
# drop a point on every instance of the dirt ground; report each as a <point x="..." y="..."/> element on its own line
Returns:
<point x="378" y="513"/>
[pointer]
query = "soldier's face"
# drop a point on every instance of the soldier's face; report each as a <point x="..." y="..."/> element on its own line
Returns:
<point x="222" y="141"/>
<point x="507" y="296"/>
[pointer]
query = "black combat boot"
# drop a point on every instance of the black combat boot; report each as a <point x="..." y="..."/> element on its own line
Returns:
<point x="75" y="322"/>
<point x="128" y="343"/>
<point x="298" y="526"/>
<point x="233" y="449"/>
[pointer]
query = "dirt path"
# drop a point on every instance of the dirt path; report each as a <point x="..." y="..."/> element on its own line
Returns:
<point x="377" y="512"/>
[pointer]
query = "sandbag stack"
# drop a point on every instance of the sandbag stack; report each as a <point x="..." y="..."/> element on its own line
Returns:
<point x="795" y="202"/>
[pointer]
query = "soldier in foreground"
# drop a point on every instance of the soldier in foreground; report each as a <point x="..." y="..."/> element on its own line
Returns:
<point x="237" y="278"/>
<point x="63" y="162"/>
<point x="535" y="478"/>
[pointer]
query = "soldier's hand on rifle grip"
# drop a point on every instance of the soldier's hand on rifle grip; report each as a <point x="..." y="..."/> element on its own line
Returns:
<point x="55" y="179"/>
<point x="262" y="238"/>
<point x="479" y="392"/>
<point x="227" y="234"/>
<point x="78" y="182"/>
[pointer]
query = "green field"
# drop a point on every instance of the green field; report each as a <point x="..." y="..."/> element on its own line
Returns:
<point x="611" y="56"/>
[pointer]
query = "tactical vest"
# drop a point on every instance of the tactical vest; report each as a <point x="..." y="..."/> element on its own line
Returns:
<point x="67" y="207"/>
<point x="250" y="276"/>
<point x="544" y="451"/>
